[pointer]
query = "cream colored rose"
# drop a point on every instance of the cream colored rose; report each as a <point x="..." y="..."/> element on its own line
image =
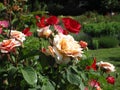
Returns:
<point x="107" y="66"/>
<point x="44" y="32"/>
<point x="66" y="47"/>
<point x="7" y="45"/>
<point x="17" y="35"/>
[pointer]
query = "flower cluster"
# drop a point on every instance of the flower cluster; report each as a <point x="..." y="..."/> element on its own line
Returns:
<point x="56" y="57"/>
<point x="15" y="38"/>
<point x="63" y="46"/>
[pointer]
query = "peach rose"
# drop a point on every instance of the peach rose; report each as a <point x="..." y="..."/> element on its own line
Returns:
<point x="65" y="47"/>
<point x="17" y="35"/>
<point x="7" y="45"/>
<point x="107" y="66"/>
<point x="44" y="32"/>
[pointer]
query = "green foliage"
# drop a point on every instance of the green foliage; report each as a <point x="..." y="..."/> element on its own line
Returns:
<point x="95" y="43"/>
<point x="29" y="74"/>
<point x="83" y="36"/>
<point x="99" y="29"/>
<point x="2" y="7"/>
<point x="108" y="42"/>
<point x="32" y="67"/>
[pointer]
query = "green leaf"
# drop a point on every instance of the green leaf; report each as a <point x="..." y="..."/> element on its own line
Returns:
<point x="14" y="20"/>
<point x="73" y="78"/>
<point x="82" y="87"/>
<point x="48" y="86"/>
<point x="83" y="76"/>
<point x="29" y="75"/>
<point x="2" y="7"/>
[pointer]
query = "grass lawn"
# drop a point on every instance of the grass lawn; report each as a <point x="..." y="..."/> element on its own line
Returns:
<point x="111" y="55"/>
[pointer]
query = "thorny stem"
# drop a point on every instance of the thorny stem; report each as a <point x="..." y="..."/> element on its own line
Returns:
<point x="10" y="24"/>
<point x="9" y="59"/>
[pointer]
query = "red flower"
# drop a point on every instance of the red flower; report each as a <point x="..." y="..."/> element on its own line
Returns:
<point x="83" y="44"/>
<point x="71" y="25"/>
<point x="110" y="79"/>
<point x="93" y="66"/>
<point x="41" y="23"/>
<point x="27" y="32"/>
<point x="52" y="20"/>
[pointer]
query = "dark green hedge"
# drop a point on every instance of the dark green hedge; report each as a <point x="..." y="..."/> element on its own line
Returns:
<point x="102" y="28"/>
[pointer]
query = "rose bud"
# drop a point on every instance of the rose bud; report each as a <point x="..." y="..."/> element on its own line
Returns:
<point x="110" y="79"/>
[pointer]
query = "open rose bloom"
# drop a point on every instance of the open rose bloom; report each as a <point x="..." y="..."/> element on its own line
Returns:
<point x="17" y="35"/>
<point x="8" y="45"/>
<point x="65" y="47"/>
<point x="108" y="67"/>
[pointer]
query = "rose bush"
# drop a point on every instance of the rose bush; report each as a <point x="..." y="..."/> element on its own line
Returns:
<point x="47" y="57"/>
<point x="57" y="62"/>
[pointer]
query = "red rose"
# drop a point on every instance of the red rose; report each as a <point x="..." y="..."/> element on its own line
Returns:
<point x="41" y="23"/>
<point x="27" y="32"/>
<point x="93" y="66"/>
<point x="71" y="25"/>
<point x="52" y="20"/>
<point x="110" y="79"/>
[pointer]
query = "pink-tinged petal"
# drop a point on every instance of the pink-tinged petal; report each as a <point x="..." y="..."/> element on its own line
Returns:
<point x="58" y="28"/>
<point x="94" y="83"/>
